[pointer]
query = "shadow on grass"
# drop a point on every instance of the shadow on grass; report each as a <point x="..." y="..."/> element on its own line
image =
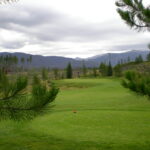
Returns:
<point x="35" y="141"/>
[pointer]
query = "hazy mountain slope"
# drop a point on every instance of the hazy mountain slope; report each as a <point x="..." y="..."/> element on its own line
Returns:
<point x="51" y="61"/>
<point x="116" y="57"/>
<point x="61" y="62"/>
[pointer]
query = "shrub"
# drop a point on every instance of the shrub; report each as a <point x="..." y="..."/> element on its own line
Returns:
<point x="137" y="82"/>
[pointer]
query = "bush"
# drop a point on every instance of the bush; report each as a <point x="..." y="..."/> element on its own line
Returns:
<point x="137" y="82"/>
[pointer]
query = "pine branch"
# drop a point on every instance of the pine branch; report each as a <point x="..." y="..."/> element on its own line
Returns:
<point x="134" y="14"/>
<point x="17" y="105"/>
<point x="7" y="1"/>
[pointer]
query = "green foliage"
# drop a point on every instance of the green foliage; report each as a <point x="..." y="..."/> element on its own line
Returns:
<point x="134" y="13"/>
<point x="117" y="70"/>
<point x="42" y="96"/>
<point x="95" y="72"/>
<point x="8" y="62"/>
<point x="106" y="70"/>
<point x="44" y="74"/>
<point x="69" y="71"/>
<point x="148" y="57"/>
<point x="103" y="68"/>
<point x="56" y="73"/>
<point x="137" y="82"/>
<point x="36" y="80"/>
<point x="17" y="103"/>
<point x="84" y="69"/>
<point x="11" y="89"/>
<point x="110" y="70"/>
<point x="139" y="59"/>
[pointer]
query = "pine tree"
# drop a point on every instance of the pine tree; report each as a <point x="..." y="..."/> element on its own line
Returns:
<point x="84" y="69"/>
<point x="69" y="71"/>
<point x="22" y="60"/>
<point x="56" y="74"/>
<point x="30" y="59"/>
<point x="8" y="63"/>
<point x="118" y="70"/>
<point x="44" y="74"/>
<point x="94" y="72"/>
<point x="134" y="13"/>
<point x="103" y="69"/>
<point x="128" y="60"/>
<point x="110" y="70"/>
<point x="148" y="57"/>
<point x="139" y="59"/>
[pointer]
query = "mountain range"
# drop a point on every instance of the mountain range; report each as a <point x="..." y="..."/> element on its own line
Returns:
<point x="39" y="61"/>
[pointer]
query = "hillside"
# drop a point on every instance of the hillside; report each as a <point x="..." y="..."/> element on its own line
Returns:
<point x="114" y="58"/>
<point x="39" y="61"/>
<point x="141" y="67"/>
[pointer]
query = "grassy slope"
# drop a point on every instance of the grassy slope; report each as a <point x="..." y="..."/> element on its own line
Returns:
<point x="108" y="117"/>
<point x="143" y="67"/>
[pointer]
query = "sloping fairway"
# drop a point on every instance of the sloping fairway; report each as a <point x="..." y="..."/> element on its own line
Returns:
<point x="108" y="117"/>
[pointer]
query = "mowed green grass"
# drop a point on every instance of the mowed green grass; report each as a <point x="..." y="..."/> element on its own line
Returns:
<point x="108" y="117"/>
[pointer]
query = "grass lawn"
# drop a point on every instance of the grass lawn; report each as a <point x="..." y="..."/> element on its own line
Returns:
<point x="108" y="117"/>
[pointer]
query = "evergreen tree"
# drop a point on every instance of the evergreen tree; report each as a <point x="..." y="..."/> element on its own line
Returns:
<point x="30" y="59"/>
<point x="128" y="59"/>
<point x="56" y="75"/>
<point x="103" y="69"/>
<point x="22" y="60"/>
<point x="134" y="13"/>
<point x="117" y="70"/>
<point x="69" y="71"/>
<point x="8" y="63"/>
<point x="94" y="72"/>
<point x="139" y="59"/>
<point x="44" y="74"/>
<point x="148" y="57"/>
<point x="84" y="69"/>
<point x="110" y="70"/>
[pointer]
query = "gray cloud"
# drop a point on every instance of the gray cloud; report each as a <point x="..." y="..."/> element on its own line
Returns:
<point x="139" y="46"/>
<point x="46" y="25"/>
<point x="13" y="45"/>
<point x="41" y="26"/>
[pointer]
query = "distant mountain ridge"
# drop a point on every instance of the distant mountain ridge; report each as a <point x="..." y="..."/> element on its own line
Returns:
<point x="114" y="58"/>
<point x="39" y="61"/>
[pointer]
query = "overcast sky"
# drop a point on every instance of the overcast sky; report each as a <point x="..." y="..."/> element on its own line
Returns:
<point x="70" y="28"/>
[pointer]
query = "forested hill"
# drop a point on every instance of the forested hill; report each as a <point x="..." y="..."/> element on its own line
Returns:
<point x="61" y="62"/>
